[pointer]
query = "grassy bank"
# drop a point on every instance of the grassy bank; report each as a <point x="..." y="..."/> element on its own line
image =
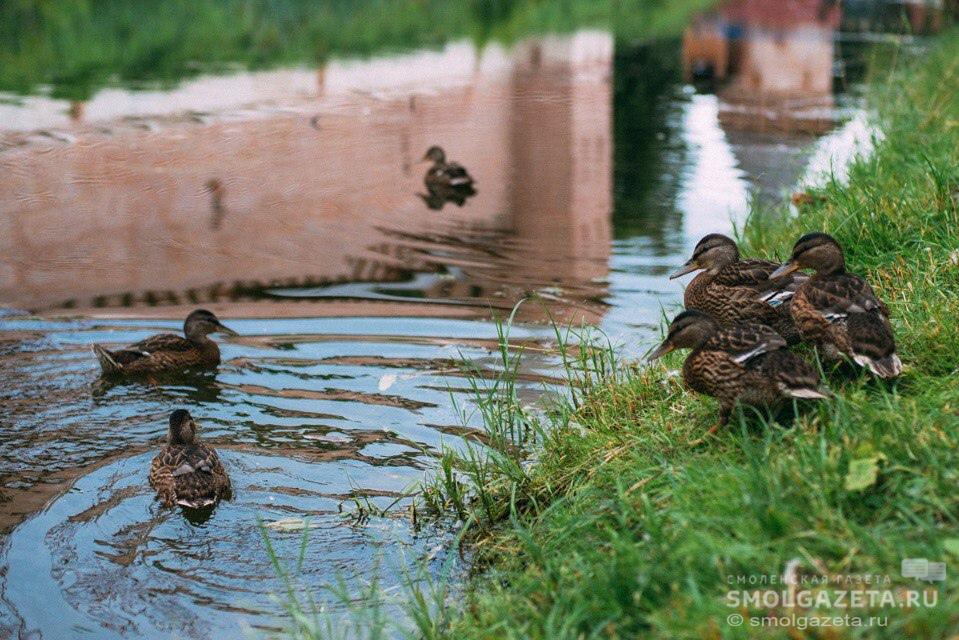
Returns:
<point x="622" y="530"/>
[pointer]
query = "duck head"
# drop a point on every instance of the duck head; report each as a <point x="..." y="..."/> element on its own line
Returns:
<point x="435" y="154"/>
<point x="687" y="330"/>
<point x="712" y="253"/>
<point x="817" y="251"/>
<point x="182" y="427"/>
<point x="202" y="323"/>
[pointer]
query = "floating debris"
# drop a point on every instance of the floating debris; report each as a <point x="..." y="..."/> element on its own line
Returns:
<point x="291" y="524"/>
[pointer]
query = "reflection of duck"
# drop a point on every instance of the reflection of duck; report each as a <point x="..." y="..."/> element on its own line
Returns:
<point x="167" y="351"/>
<point x="838" y="311"/>
<point x="446" y="177"/>
<point x="436" y="200"/>
<point x="744" y="363"/>
<point x="186" y="471"/>
<point x="194" y="385"/>
<point x="728" y="288"/>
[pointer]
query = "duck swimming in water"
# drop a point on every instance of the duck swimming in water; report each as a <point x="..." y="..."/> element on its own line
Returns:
<point x="186" y="471"/>
<point x="746" y="364"/>
<point x="837" y="311"/>
<point x="166" y="351"/>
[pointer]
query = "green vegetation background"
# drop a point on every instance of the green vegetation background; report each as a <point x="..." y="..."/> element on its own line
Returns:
<point x="76" y="46"/>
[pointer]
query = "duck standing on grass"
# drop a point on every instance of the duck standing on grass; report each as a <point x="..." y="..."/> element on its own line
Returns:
<point x="186" y="471"/>
<point x="166" y="351"/>
<point x="728" y="287"/>
<point x="837" y="311"/>
<point x="748" y="364"/>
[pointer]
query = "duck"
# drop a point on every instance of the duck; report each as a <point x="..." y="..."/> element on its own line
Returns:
<point x="734" y="291"/>
<point x="837" y="311"/>
<point x="188" y="472"/>
<point x="745" y="363"/>
<point x="446" y="177"/>
<point x="167" y="351"/>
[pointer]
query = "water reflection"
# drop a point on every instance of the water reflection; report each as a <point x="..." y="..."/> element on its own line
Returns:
<point x="773" y="62"/>
<point x="286" y="201"/>
<point x="445" y="181"/>
<point x="245" y="199"/>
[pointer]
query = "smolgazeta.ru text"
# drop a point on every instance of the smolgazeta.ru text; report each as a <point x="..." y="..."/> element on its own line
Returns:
<point x="834" y="598"/>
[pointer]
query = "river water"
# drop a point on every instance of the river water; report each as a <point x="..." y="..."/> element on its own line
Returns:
<point x="286" y="201"/>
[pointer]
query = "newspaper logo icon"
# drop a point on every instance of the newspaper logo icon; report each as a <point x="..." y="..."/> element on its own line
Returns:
<point x="937" y="571"/>
<point x="914" y="568"/>
<point x="922" y="569"/>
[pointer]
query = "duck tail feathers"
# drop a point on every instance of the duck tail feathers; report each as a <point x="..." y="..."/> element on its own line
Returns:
<point x="197" y="503"/>
<point x="805" y="392"/>
<point x="888" y="367"/>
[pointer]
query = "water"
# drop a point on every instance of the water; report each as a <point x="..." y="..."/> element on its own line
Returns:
<point x="286" y="201"/>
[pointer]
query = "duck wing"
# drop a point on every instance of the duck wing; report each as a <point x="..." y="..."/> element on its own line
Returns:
<point x="161" y="474"/>
<point x="164" y="342"/>
<point x="753" y="276"/>
<point x="743" y="343"/>
<point x="837" y="297"/>
<point x="458" y="175"/>
<point x="848" y="303"/>
<point x="792" y="376"/>
<point x="745" y="273"/>
<point x="873" y="344"/>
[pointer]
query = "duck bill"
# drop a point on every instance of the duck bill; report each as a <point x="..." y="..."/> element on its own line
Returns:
<point x="660" y="351"/>
<point x="225" y="330"/>
<point x="784" y="270"/>
<point x="689" y="267"/>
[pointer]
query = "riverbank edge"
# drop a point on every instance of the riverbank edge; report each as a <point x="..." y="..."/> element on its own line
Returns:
<point x="621" y="529"/>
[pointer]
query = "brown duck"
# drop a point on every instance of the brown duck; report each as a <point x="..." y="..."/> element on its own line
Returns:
<point x="737" y="291"/>
<point x="743" y="363"/>
<point x="166" y="351"/>
<point x="837" y="311"/>
<point x="186" y="471"/>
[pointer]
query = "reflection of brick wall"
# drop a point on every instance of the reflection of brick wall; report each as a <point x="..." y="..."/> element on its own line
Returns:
<point x="781" y="80"/>
<point x="562" y="153"/>
<point x="261" y="195"/>
<point x="796" y="62"/>
<point x="782" y="14"/>
<point x="773" y="60"/>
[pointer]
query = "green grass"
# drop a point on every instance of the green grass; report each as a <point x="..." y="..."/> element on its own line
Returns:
<point x="77" y="46"/>
<point x="621" y="529"/>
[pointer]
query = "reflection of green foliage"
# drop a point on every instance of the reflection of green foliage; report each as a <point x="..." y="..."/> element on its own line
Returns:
<point x="644" y="82"/>
<point x="78" y="45"/>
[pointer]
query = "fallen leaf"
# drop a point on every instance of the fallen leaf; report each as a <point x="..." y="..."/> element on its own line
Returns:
<point x="862" y="473"/>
